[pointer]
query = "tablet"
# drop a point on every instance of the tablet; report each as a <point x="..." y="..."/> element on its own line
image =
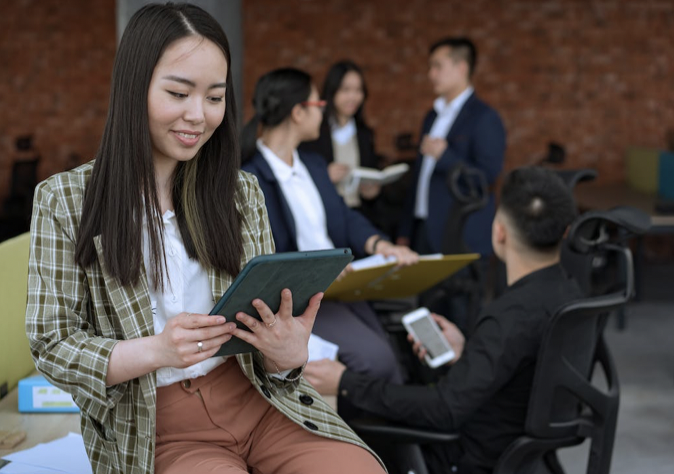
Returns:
<point x="265" y="276"/>
<point x="421" y="325"/>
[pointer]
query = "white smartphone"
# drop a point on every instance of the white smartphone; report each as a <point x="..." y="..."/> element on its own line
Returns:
<point x="421" y="325"/>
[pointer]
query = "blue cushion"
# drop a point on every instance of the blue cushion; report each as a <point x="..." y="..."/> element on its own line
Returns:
<point x="666" y="175"/>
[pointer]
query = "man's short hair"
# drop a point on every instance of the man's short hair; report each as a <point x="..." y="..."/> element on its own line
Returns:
<point x="539" y="205"/>
<point x="462" y="49"/>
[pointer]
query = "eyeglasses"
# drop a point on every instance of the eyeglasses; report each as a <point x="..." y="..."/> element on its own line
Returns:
<point x="318" y="103"/>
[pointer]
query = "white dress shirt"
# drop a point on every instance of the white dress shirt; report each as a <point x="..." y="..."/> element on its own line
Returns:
<point x="303" y="199"/>
<point x="447" y="113"/>
<point x="186" y="288"/>
<point x="342" y="134"/>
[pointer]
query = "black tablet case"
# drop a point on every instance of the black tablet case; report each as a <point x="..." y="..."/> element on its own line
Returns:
<point x="265" y="276"/>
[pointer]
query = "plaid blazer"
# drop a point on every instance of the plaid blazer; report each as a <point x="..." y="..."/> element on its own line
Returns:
<point x="75" y="316"/>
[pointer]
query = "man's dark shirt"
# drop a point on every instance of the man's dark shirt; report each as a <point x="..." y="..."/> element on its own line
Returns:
<point x="485" y="394"/>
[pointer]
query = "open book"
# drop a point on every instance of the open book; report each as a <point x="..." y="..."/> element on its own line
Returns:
<point x="378" y="277"/>
<point x="374" y="176"/>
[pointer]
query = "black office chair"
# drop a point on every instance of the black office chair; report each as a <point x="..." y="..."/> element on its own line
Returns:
<point x="565" y="407"/>
<point x="17" y="206"/>
<point x="470" y="191"/>
<point x="582" y="266"/>
<point x="572" y="177"/>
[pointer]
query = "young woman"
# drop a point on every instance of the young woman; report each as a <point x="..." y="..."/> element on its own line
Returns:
<point x="306" y="213"/>
<point x="129" y="253"/>
<point x="345" y="140"/>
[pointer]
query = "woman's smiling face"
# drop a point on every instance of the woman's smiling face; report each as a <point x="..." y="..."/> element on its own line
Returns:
<point x="186" y="99"/>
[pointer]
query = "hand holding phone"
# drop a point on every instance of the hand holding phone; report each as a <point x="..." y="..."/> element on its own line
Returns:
<point x="421" y="325"/>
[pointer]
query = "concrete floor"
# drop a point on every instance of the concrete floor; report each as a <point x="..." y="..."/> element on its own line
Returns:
<point x="644" y="355"/>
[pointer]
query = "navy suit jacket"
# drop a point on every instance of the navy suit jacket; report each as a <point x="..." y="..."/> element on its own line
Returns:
<point x="346" y="227"/>
<point x="478" y="139"/>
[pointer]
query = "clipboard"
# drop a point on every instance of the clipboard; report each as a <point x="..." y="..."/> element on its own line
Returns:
<point x="265" y="276"/>
<point x="388" y="281"/>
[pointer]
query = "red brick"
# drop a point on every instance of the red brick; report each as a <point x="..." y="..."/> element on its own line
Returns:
<point x="56" y="57"/>
<point x="594" y="76"/>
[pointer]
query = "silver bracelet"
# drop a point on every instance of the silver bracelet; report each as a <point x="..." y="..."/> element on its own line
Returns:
<point x="294" y="379"/>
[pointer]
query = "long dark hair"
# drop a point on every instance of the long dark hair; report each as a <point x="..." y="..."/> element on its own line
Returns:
<point x="276" y="93"/>
<point x="333" y="82"/>
<point x="122" y="192"/>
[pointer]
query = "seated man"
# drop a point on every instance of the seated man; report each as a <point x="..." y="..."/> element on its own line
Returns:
<point x="485" y="394"/>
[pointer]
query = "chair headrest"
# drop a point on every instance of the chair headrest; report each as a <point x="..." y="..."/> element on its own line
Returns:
<point x="468" y="185"/>
<point x="589" y="231"/>
<point x="573" y="177"/>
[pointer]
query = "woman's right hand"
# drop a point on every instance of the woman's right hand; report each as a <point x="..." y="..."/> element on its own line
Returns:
<point x="338" y="171"/>
<point x="179" y="341"/>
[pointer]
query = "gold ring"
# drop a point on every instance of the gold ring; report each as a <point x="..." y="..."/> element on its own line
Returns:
<point x="200" y="346"/>
<point x="272" y="324"/>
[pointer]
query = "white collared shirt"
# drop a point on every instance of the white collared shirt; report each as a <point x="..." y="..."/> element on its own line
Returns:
<point x="343" y="134"/>
<point x="186" y="288"/>
<point x="346" y="152"/>
<point x="303" y="199"/>
<point x="447" y="113"/>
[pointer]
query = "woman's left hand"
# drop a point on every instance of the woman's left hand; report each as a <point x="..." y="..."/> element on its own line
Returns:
<point x="403" y="254"/>
<point x="282" y="338"/>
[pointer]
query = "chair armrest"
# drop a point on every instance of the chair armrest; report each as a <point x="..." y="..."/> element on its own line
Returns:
<point x="396" y="433"/>
<point x="393" y="305"/>
<point x="524" y="449"/>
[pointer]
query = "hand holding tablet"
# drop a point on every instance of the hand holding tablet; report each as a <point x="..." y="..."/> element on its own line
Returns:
<point x="266" y="276"/>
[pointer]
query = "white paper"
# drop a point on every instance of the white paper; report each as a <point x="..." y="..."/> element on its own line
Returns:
<point x="431" y="256"/>
<point x="375" y="260"/>
<point x="66" y="454"/>
<point x="21" y="468"/>
<point x="319" y="349"/>
<point x="387" y="175"/>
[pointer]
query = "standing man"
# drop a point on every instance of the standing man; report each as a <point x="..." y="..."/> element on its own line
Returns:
<point x="459" y="129"/>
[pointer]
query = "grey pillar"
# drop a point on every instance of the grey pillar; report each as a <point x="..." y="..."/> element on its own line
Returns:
<point x="228" y="14"/>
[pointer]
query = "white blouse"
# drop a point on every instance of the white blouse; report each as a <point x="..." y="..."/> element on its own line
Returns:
<point x="186" y="289"/>
<point x="303" y="199"/>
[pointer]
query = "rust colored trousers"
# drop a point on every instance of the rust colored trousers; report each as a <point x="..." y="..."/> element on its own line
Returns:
<point x="219" y="423"/>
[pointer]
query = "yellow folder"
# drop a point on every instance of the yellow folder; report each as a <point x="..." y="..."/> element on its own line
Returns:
<point x="388" y="281"/>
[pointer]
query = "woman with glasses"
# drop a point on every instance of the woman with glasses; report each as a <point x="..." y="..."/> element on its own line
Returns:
<point x="306" y="213"/>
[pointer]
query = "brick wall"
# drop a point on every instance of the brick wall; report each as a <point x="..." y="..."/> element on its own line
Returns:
<point x="55" y="63"/>
<point x="595" y="76"/>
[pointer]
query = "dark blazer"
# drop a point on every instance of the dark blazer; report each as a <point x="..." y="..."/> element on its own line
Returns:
<point x="346" y="227"/>
<point x="478" y="139"/>
<point x="323" y="145"/>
